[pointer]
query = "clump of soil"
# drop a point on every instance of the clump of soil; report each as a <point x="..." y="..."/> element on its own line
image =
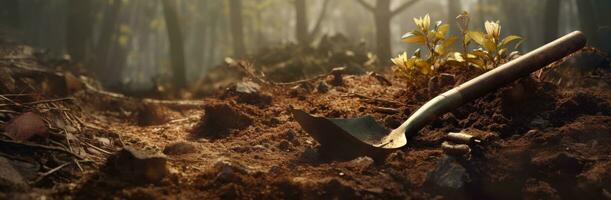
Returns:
<point x="221" y="119"/>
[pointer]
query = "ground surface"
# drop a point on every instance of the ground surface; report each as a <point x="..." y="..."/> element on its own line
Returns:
<point x="544" y="139"/>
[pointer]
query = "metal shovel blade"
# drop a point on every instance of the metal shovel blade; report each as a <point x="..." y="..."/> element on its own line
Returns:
<point x="349" y="137"/>
<point x="344" y="138"/>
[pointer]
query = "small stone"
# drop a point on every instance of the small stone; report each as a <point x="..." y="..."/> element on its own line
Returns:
<point x="539" y="122"/>
<point x="179" y="148"/>
<point x="226" y="169"/>
<point x="336" y="78"/>
<point x="247" y="87"/>
<point x="138" y="166"/>
<point x="284" y="145"/>
<point x="10" y="178"/>
<point x="448" y="174"/>
<point x="249" y="92"/>
<point x="103" y="141"/>
<point x="27" y="126"/>
<point x="322" y="88"/>
<point x="360" y="164"/>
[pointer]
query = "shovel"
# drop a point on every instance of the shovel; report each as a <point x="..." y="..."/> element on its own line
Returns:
<point x="348" y="138"/>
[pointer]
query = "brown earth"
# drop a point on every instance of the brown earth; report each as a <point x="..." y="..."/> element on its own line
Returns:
<point x="542" y="140"/>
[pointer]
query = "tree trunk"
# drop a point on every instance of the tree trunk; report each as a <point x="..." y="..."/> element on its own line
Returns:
<point x="301" y="25"/>
<point x="552" y="10"/>
<point x="9" y="13"/>
<point x="587" y="20"/>
<point x="454" y="9"/>
<point x="108" y="30"/>
<point x="176" y="42"/>
<point x="512" y="21"/>
<point x="79" y="29"/>
<point x="237" y="32"/>
<point x="382" y="15"/>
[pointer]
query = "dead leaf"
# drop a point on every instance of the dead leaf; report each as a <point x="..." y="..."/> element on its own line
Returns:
<point x="27" y="126"/>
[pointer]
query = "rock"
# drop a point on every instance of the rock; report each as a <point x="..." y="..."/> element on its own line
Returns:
<point x="228" y="170"/>
<point x="249" y="92"/>
<point x="360" y="164"/>
<point x="322" y="87"/>
<point x="179" y="148"/>
<point x="336" y="78"/>
<point x="448" y="175"/>
<point x="103" y="141"/>
<point x="10" y="178"/>
<point x="26" y="127"/>
<point x="247" y="87"/>
<point x="539" y="122"/>
<point x="300" y="91"/>
<point x="138" y="166"/>
<point x="219" y="120"/>
<point x="284" y="145"/>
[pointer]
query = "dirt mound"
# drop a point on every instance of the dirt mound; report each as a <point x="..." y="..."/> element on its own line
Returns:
<point x="221" y="119"/>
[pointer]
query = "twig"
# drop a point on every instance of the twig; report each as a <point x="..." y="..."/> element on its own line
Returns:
<point x="39" y="146"/>
<point x="9" y="100"/>
<point x="244" y="67"/>
<point x="43" y="175"/>
<point x="8" y="111"/>
<point x="48" y="101"/>
<point x="385" y="101"/>
<point x="97" y="148"/>
<point x="78" y="165"/>
<point x="19" y="95"/>
<point x="38" y="102"/>
<point x="386" y="110"/>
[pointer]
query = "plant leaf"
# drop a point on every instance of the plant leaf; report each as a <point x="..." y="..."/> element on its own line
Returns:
<point x="449" y="41"/>
<point x="489" y="45"/>
<point x="478" y="37"/>
<point x="413" y="37"/>
<point x="509" y="39"/>
<point x="443" y="28"/>
<point x="439" y="49"/>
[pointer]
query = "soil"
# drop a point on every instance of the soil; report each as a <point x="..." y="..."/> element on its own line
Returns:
<point x="542" y="140"/>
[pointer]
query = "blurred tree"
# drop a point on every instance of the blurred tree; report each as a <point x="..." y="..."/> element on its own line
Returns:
<point x="552" y="13"/>
<point x="454" y="9"/>
<point x="587" y="20"/>
<point x="176" y="42"/>
<point x="382" y="15"/>
<point x="109" y="26"/>
<point x="513" y="22"/>
<point x="237" y="29"/>
<point x="79" y="26"/>
<point x="9" y="13"/>
<point x="602" y="8"/>
<point x="304" y="35"/>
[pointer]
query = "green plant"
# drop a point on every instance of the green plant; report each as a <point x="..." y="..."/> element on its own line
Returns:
<point x="435" y="41"/>
<point x="490" y="52"/>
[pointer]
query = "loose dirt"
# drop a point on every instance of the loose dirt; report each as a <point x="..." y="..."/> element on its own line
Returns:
<point x="542" y="140"/>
